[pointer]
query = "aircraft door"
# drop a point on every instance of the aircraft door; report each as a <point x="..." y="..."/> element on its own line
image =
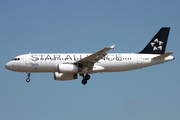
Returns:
<point x="139" y="59"/>
<point x="27" y="59"/>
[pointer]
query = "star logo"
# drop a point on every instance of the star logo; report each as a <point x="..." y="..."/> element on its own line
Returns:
<point x="157" y="45"/>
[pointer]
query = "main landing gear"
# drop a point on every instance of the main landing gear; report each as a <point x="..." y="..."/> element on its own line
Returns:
<point x="28" y="79"/>
<point x="85" y="78"/>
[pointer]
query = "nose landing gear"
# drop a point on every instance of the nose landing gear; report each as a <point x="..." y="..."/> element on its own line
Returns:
<point x="28" y="79"/>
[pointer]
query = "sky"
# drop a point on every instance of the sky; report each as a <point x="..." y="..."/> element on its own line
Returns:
<point x="83" y="26"/>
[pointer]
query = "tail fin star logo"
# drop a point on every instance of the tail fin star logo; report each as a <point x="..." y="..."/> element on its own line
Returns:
<point x="157" y="45"/>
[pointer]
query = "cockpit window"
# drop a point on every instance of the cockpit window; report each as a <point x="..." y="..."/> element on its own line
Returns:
<point x="16" y="59"/>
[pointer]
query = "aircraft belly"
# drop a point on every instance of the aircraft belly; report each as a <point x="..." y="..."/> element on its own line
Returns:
<point x="119" y="66"/>
<point x="47" y="67"/>
<point x="38" y="67"/>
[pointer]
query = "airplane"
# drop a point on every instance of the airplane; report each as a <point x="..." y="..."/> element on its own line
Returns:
<point x="67" y="66"/>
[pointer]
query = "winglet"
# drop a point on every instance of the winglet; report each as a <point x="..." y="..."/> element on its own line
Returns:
<point x="112" y="47"/>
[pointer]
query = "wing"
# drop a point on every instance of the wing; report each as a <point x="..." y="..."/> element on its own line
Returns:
<point x="89" y="61"/>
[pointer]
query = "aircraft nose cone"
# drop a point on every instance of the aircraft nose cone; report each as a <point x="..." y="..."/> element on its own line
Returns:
<point x="11" y="66"/>
<point x="7" y="66"/>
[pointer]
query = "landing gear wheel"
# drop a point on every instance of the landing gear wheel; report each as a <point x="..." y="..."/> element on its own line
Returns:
<point x="28" y="80"/>
<point x="84" y="81"/>
<point x="87" y="77"/>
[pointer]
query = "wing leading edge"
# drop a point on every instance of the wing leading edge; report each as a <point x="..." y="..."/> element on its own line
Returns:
<point x="95" y="57"/>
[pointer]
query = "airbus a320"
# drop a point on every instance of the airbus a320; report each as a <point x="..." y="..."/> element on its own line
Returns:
<point x="69" y="66"/>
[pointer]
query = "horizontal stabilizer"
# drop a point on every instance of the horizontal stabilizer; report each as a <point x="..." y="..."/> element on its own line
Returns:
<point x="163" y="56"/>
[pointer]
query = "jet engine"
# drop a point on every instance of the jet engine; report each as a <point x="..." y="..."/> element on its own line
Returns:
<point x="67" y="68"/>
<point x="64" y="76"/>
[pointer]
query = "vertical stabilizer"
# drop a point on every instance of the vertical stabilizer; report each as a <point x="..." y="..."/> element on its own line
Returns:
<point x="157" y="45"/>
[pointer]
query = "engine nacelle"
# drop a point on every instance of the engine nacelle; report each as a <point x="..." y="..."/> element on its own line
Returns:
<point x="64" y="76"/>
<point x="67" y="68"/>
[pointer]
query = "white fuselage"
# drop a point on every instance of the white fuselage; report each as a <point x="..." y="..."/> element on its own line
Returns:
<point x="68" y="66"/>
<point x="112" y="62"/>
